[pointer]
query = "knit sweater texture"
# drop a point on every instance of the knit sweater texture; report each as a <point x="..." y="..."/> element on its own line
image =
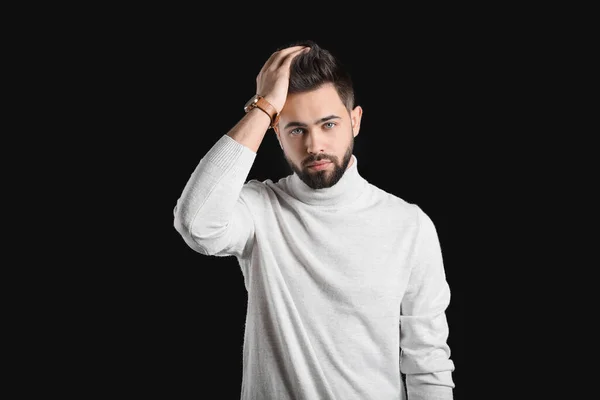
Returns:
<point x="346" y="285"/>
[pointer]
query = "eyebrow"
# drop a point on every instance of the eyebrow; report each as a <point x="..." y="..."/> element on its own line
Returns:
<point x="303" y="125"/>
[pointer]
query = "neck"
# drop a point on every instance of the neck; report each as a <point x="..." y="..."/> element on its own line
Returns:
<point x="346" y="190"/>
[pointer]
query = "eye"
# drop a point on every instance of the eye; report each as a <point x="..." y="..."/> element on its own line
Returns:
<point x="331" y="124"/>
<point x="295" y="131"/>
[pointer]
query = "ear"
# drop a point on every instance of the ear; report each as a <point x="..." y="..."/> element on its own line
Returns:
<point x="356" y="116"/>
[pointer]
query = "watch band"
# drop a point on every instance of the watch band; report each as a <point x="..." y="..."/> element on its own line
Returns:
<point x="257" y="101"/>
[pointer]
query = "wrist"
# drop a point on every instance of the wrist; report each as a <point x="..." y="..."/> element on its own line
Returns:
<point x="258" y="101"/>
<point x="278" y="107"/>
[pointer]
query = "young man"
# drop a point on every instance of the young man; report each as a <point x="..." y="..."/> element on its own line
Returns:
<point x="346" y="283"/>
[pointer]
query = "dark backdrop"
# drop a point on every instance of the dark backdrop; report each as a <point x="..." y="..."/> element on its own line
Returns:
<point x="178" y="317"/>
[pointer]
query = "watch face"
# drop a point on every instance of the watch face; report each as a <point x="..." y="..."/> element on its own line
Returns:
<point x="251" y="103"/>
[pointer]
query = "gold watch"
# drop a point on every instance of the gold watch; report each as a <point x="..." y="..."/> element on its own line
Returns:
<point x="257" y="101"/>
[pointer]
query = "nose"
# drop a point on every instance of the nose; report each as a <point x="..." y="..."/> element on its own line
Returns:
<point x="315" y="142"/>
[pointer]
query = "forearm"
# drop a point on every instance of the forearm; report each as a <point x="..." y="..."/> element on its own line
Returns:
<point x="430" y="386"/>
<point x="425" y="358"/>
<point x="251" y="129"/>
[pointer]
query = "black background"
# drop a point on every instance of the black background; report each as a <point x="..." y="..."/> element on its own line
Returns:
<point x="174" y="319"/>
<point x="117" y="105"/>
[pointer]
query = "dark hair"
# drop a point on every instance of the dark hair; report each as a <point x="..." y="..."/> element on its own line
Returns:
<point x="318" y="66"/>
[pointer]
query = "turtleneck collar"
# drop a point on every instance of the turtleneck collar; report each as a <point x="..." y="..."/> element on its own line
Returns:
<point x="346" y="190"/>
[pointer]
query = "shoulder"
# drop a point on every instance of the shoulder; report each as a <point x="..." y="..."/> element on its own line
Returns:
<point x="396" y="205"/>
<point x="408" y="214"/>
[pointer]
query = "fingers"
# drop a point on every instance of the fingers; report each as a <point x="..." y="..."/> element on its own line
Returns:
<point x="275" y="60"/>
<point x="287" y="61"/>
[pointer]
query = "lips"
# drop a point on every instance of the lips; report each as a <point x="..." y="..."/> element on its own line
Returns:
<point x="319" y="163"/>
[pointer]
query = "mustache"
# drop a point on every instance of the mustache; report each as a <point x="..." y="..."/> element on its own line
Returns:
<point x="317" y="159"/>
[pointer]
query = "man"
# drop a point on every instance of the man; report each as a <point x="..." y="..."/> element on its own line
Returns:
<point x="346" y="284"/>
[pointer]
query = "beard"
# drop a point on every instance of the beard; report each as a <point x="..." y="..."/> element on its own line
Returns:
<point x="324" y="178"/>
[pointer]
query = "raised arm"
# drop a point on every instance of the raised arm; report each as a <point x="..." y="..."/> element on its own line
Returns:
<point x="211" y="215"/>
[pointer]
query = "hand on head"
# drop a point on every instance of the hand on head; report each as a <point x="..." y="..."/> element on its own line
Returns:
<point x="273" y="79"/>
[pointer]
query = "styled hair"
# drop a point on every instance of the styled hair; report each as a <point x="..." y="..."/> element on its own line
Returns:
<point x="318" y="66"/>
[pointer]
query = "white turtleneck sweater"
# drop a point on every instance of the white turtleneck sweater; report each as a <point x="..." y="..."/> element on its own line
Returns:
<point x="346" y="285"/>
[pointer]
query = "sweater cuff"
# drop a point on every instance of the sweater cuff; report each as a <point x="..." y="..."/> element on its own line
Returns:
<point x="226" y="150"/>
<point x="431" y="393"/>
<point x="231" y="157"/>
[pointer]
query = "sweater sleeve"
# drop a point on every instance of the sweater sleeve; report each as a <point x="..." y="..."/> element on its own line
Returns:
<point x="210" y="214"/>
<point x="425" y="354"/>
